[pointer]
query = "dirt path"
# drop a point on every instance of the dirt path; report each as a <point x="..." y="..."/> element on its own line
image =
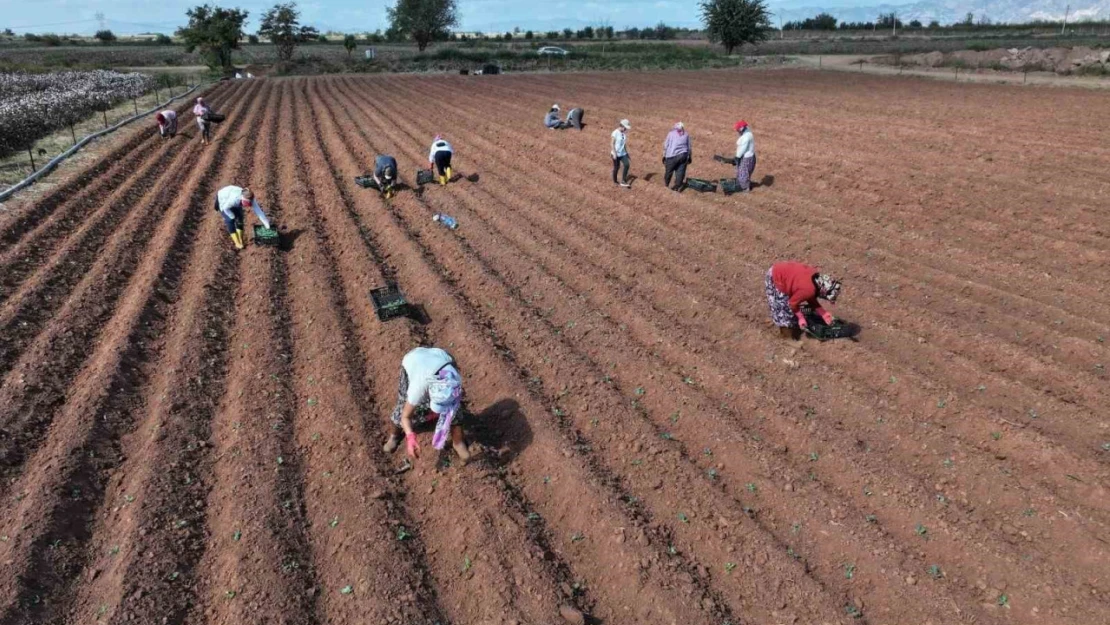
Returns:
<point x="192" y="434"/>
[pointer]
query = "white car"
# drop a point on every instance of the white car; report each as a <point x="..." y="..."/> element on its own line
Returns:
<point x="551" y="50"/>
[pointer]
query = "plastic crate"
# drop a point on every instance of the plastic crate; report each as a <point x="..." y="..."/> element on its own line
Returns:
<point x="389" y="303"/>
<point x="367" y="182"/>
<point x="704" y="186"/>
<point x="266" y="236"/>
<point x="424" y="176"/>
<point x="730" y="186"/>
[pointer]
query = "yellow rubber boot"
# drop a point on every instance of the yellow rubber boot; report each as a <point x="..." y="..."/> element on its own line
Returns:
<point x="242" y="239"/>
<point x="448" y="173"/>
<point x="442" y="180"/>
<point x="237" y="239"/>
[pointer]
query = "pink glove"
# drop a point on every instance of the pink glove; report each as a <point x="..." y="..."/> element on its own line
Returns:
<point x="801" y="320"/>
<point x="412" y="446"/>
<point x="826" y="315"/>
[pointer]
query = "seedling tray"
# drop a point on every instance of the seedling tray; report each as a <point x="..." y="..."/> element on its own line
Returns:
<point x="389" y="303"/>
<point x="838" y="329"/>
<point x="266" y="236"/>
<point x="424" y="176"/>
<point x="704" y="186"/>
<point x="367" y="182"/>
<point x="729" y="186"/>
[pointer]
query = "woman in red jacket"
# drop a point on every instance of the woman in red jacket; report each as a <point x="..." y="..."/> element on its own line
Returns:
<point x="792" y="285"/>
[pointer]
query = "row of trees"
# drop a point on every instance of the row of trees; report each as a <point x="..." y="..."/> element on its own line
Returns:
<point x="34" y="105"/>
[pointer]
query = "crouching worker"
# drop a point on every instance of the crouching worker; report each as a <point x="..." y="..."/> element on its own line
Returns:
<point x="230" y="202"/>
<point x="440" y="158"/>
<point x="385" y="174"/>
<point x="552" y="121"/>
<point x="167" y="123"/>
<point x="790" y="286"/>
<point x="429" y="391"/>
<point x="574" y="119"/>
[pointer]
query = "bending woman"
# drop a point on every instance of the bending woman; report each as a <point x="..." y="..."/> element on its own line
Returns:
<point x="429" y="391"/>
<point x="790" y="286"/>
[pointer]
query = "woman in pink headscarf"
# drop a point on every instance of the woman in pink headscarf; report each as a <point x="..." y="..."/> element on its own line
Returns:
<point x="200" y="110"/>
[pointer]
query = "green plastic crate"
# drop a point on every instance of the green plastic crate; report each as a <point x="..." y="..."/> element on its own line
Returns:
<point x="266" y="236"/>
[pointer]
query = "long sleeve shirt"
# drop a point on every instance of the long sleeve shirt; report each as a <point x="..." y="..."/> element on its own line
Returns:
<point x="382" y="162"/>
<point x="200" y="109"/>
<point x="439" y="146"/>
<point x="421" y="366"/>
<point x="745" y="145"/>
<point x="676" y="143"/>
<point x="231" y="196"/>
<point x="552" y="119"/>
<point x="169" y="115"/>
<point x="795" y="280"/>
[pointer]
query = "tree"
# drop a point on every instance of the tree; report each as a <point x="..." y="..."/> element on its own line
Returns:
<point x="349" y="44"/>
<point x="529" y="35"/>
<point x="162" y="40"/>
<point x="664" y="32"/>
<point x="215" y="31"/>
<point x="915" y="24"/>
<point x="588" y="32"/>
<point x="607" y="32"/>
<point x="424" y="20"/>
<point x="8" y="32"/>
<point x="281" y="25"/>
<point x="552" y="34"/>
<point x="632" y="33"/>
<point x="252" y="39"/>
<point x="105" y="36"/>
<point x="567" y="33"/>
<point x="934" y="25"/>
<point x="732" y="23"/>
<point x="317" y="37"/>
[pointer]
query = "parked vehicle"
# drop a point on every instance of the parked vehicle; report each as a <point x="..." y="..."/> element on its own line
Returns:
<point x="551" y="50"/>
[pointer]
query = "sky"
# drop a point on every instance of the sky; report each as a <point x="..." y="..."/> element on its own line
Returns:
<point x="135" y="16"/>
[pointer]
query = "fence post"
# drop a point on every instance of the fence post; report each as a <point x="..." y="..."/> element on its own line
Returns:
<point x="957" y="73"/>
<point x="32" y="155"/>
<point x="136" y="103"/>
<point x="105" y="114"/>
<point x="73" y="134"/>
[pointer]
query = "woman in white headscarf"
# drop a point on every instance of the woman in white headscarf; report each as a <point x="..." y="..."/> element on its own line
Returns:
<point x="429" y="391"/>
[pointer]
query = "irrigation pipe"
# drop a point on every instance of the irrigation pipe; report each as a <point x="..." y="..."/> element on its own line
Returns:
<point x="57" y="160"/>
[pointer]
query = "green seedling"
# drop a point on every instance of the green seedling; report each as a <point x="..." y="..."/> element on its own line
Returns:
<point x="334" y="522"/>
<point x="712" y="473"/>
<point x="114" y="550"/>
<point x="595" y="422"/>
<point x="980" y="388"/>
<point x="941" y="403"/>
<point x="181" y="523"/>
<point x="547" y="479"/>
<point x="871" y="518"/>
<point x="795" y="528"/>
<point x="709" y="452"/>
<point x="312" y="401"/>
<point x="637" y="462"/>
<point x="229" y="594"/>
<point x="56" y="543"/>
<point x="577" y="537"/>
<point x="102" y="610"/>
<point x="671" y="550"/>
<point x="1033" y="414"/>
<point x="682" y="517"/>
<point x="921" y="530"/>
<point x="316" y="437"/>
<point x="867" y="492"/>
<point x="280" y="460"/>
<point x="816" y="387"/>
<point x="893" y="380"/>
<point x="852" y="611"/>
<point x="237" y="535"/>
<point x="666" y="436"/>
<point x="346" y="590"/>
<point x="849" y="571"/>
<point x="1029" y="512"/>
<point x="558" y="412"/>
<point x="403" y="534"/>
<point x="533" y="516"/>
<point x="1004" y="600"/>
<point x="942" y="499"/>
<point x="640" y="391"/>
<point x="730" y="567"/>
<point x="1106" y="446"/>
<point x="466" y="564"/>
<point x="996" y="435"/>
<point x="689" y="380"/>
<point x="949" y="463"/>
<point x="128" y="498"/>
<point x="814" y="456"/>
<point x="173" y="576"/>
<point x="793" y="554"/>
<point x="935" y="572"/>
<point x="674" y="417"/>
<point x="751" y="487"/>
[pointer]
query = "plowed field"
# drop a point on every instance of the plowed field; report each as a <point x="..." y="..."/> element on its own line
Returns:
<point x="193" y="435"/>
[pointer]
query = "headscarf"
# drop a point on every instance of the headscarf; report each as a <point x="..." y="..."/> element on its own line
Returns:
<point x="740" y="126"/>
<point x="445" y="397"/>
<point x="438" y="137"/>
<point x="555" y="107"/>
<point x="680" y="127"/>
<point x="827" y="287"/>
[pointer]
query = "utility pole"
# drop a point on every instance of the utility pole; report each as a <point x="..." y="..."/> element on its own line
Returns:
<point x="1065" y="24"/>
<point x="894" y="24"/>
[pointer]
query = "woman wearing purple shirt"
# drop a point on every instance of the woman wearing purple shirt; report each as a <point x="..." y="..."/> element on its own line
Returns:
<point x="677" y="154"/>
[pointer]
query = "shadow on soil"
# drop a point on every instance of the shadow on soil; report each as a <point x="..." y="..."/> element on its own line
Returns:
<point x="288" y="238"/>
<point x="768" y="181"/>
<point x="502" y="430"/>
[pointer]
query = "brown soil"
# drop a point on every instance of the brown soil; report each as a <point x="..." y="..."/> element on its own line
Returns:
<point x="193" y="435"/>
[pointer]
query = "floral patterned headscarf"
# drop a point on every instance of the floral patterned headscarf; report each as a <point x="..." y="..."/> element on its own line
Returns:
<point x="445" y="397"/>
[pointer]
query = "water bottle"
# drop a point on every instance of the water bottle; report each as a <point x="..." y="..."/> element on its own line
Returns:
<point x="446" y="220"/>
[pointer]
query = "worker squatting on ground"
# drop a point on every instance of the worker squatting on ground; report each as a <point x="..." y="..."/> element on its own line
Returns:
<point x="230" y="202"/>
<point x="439" y="157"/>
<point x="385" y="174"/>
<point x="790" y="286"/>
<point x="167" y="123"/>
<point x="429" y="391"/>
<point x="745" y="155"/>
<point x="200" y="109"/>
<point x="573" y="120"/>
<point x="677" y="154"/>
<point x="618" y="151"/>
